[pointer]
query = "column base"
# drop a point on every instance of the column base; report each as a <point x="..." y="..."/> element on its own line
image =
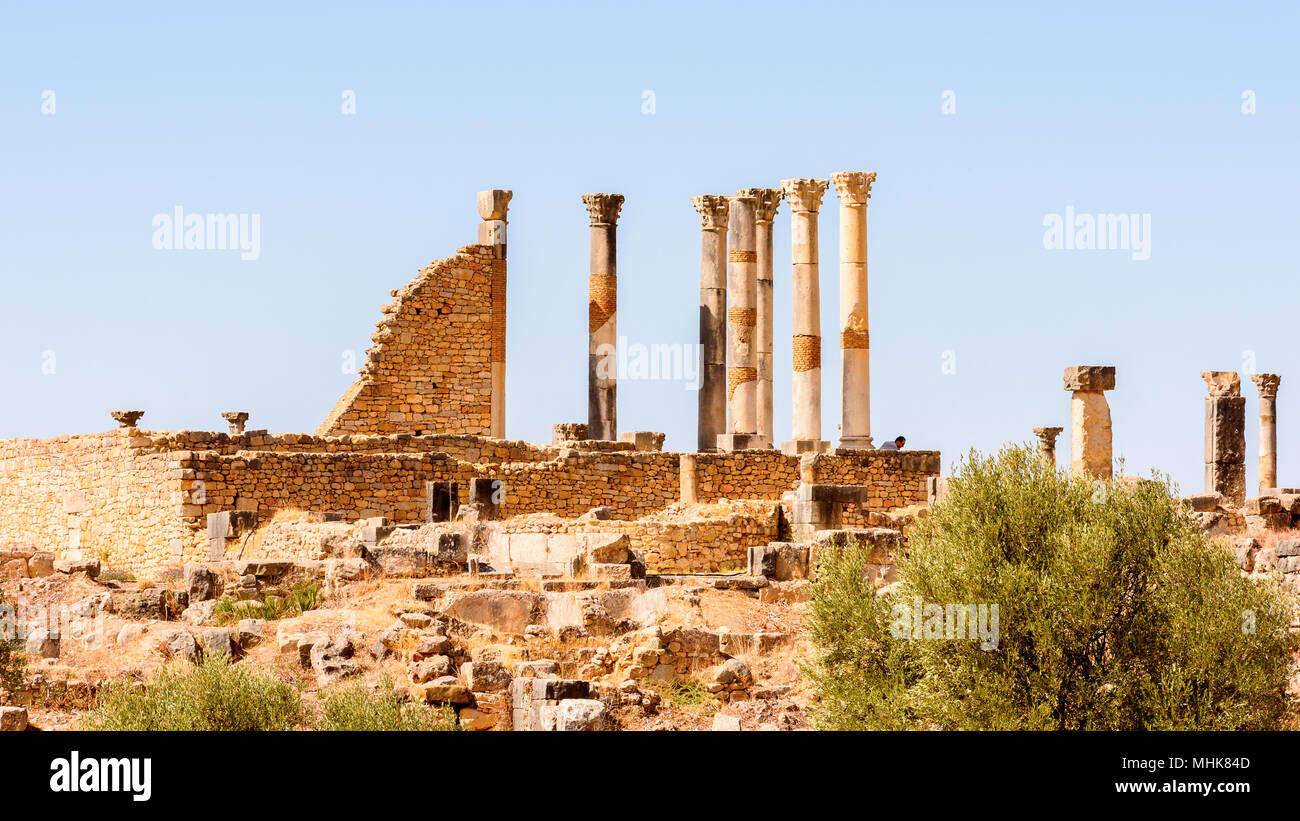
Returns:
<point x="798" y="447"/>
<point x="856" y="443"/>
<point x="732" y="442"/>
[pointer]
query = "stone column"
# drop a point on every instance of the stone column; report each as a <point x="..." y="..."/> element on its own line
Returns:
<point x="492" y="206"/>
<point x="602" y="303"/>
<point x="1225" y="436"/>
<point x="1047" y="444"/>
<point x="1090" y="435"/>
<point x="854" y="189"/>
<point x="1267" y="383"/>
<point x="768" y="201"/>
<point x="712" y="421"/>
<point x="742" y="296"/>
<point x="805" y="198"/>
<point x="688" y="479"/>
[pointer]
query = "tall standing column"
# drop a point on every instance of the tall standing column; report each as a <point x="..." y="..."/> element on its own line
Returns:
<point x="602" y="305"/>
<point x="1090" y="433"/>
<point x="768" y="201"/>
<point x="805" y="198"/>
<point x="1225" y="436"/>
<point x="854" y="189"/>
<point x="492" y="206"/>
<point x="1267" y="383"/>
<point x="713" y="210"/>
<point x="742" y="295"/>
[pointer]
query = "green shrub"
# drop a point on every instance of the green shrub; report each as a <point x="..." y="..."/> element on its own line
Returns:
<point x="1115" y="611"/>
<point x="215" y="695"/>
<point x="304" y="596"/>
<point x="12" y="661"/>
<point x="688" y="695"/>
<point x="353" y="708"/>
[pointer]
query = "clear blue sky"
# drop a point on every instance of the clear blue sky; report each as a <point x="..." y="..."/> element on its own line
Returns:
<point x="233" y="107"/>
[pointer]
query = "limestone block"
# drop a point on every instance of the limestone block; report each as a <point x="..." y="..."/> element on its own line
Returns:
<point x="13" y="719"/>
<point x="1090" y="378"/>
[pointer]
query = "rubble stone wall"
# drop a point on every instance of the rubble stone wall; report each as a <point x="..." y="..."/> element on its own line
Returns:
<point x="429" y="369"/>
<point x="139" y="499"/>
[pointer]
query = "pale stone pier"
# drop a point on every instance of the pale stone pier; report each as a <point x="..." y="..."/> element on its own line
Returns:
<point x="1047" y="444"/>
<point x="742" y="296"/>
<point x="1090" y="433"/>
<point x="854" y="189"/>
<point x="602" y="306"/>
<point x="768" y="201"/>
<point x="805" y="198"/>
<point x="1225" y="436"/>
<point x="712" y="420"/>
<point x="1267" y="383"/>
<point x="492" y="207"/>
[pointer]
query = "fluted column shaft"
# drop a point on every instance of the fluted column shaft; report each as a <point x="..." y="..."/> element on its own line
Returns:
<point x="712" y="419"/>
<point x="768" y="201"/>
<point x="602" y="307"/>
<point x="854" y="189"/>
<point x="492" y="207"/>
<point x="1267" y="383"/>
<point x="804" y="196"/>
<point x="742" y="296"/>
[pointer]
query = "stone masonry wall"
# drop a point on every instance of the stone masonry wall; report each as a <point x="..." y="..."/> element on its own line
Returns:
<point x="130" y="497"/>
<point x="429" y="369"/>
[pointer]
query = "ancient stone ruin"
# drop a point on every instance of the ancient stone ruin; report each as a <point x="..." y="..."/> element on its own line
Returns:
<point x="543" y="586"/>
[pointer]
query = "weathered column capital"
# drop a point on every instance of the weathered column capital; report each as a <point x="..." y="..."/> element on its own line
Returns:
<point x="1090" y="378"/>
<point x="853" y="187"/>
<point x="804" y="194"/>
<point x="1267" y="383"/>
<point x="603" y="208"/>
<point x="767" y="201"/>
<point x="492" y="205"/>
<point x="1222" y="383"/>
<point x="126" y="418"/>
<point x="713" y="210"/>
<point x="237" y="420"/>
<point x="1048" y="435"/>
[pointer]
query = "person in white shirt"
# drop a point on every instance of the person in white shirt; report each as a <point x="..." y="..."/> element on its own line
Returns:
<point x="897" y="444"/>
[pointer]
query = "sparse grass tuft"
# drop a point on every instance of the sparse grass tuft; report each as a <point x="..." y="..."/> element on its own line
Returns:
<point x="214" y="695"/>
<point x="353" y="708"/>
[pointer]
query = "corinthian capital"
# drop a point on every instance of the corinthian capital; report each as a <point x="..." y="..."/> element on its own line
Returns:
<point x="1267" y="384"/>
<point x="603" y="208"/>
<point x="767" y="199"/>
<point x="854" y="187"/>
<point x="492" y="205"/>
<point x="803" y="194"/>
<point x="713" y="210"/>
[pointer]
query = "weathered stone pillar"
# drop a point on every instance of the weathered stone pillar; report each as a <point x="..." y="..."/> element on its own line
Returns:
<point x="689" y="479"/>
<point x="854" y="189"/>
<point x="768" y="201"/>
<point x="1090" y="435"/>
<point x="492" y="206"/>
<point x="602" y="304"/>
<point x="805" y="198"/>
<point x="742" y="295"/>
<point x="1267" y="383"/>
<point x="712" y="421"/>
<point x="1225" y="436"/>
<point x="1047" y="444"/>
